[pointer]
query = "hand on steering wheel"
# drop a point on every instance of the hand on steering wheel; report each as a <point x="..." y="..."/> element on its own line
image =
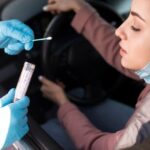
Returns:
<point x="74" y="61"/>
<point x="58" y="6"/>
<point x="53" y="91"/>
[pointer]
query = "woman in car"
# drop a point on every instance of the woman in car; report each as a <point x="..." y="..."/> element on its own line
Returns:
<point x="128" y="50"/>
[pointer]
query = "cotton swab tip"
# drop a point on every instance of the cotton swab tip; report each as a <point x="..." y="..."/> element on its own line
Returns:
<point x="49" y="38"/>
<point x="43" y="39"/>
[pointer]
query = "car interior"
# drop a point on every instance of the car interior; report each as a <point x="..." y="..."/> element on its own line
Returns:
<point x="68" y="57"/>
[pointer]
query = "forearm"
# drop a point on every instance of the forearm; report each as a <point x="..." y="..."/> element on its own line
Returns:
<point x="83" y="133"/>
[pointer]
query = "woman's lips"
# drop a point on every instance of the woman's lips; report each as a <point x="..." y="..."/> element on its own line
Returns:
<point x="122" y="52"/>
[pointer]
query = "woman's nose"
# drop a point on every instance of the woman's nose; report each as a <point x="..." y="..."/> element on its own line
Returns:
<point x="120" y="32"/>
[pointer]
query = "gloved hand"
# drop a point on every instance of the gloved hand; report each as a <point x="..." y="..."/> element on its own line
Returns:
<point x="13" y="119"/>
<point x="15" y="36"/>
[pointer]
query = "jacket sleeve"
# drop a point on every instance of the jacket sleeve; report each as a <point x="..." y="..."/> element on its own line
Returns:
<point x="138" y="127"/>
<point x="83" y="133"/>
<point x="102" y="36"/>
<point x="87" y="137"/>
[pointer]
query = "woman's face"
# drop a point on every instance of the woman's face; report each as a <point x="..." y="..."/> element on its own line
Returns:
<point x="135" y="36"/>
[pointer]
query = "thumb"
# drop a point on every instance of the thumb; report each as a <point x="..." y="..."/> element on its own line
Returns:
<point x="51" y="7"/>
<point x="22" y="103"/>
<point x="8" y="98"/>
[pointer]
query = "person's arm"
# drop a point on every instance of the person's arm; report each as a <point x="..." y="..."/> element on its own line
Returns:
<point x="85" y="135"/>
<point x="101" y="35"/>
<point x="82" y="132"/>
<point x="138" y="127"/>
<point x="13" y="119"/>
<point x="15" y="37"/>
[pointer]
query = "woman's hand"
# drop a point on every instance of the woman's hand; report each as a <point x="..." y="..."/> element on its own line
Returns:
<point x="53" y="91"/>
<point x="58" y="6"/>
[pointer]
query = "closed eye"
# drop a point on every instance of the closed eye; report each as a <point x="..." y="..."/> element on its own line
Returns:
<point x="135" y="29"/>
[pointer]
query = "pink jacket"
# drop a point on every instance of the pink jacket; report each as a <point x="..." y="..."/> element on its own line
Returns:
<point x="82" y="132"/>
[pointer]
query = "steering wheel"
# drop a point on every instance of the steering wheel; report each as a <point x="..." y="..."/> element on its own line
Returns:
<point x="70" y="58"/>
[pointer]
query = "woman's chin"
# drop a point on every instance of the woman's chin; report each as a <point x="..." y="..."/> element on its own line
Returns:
<point x="131" y="65"/>
<point x="125" y="64"/>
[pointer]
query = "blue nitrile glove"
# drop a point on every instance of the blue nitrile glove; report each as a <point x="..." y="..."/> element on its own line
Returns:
<point x="15" y="36"/>
<point x="13" y="119"/>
